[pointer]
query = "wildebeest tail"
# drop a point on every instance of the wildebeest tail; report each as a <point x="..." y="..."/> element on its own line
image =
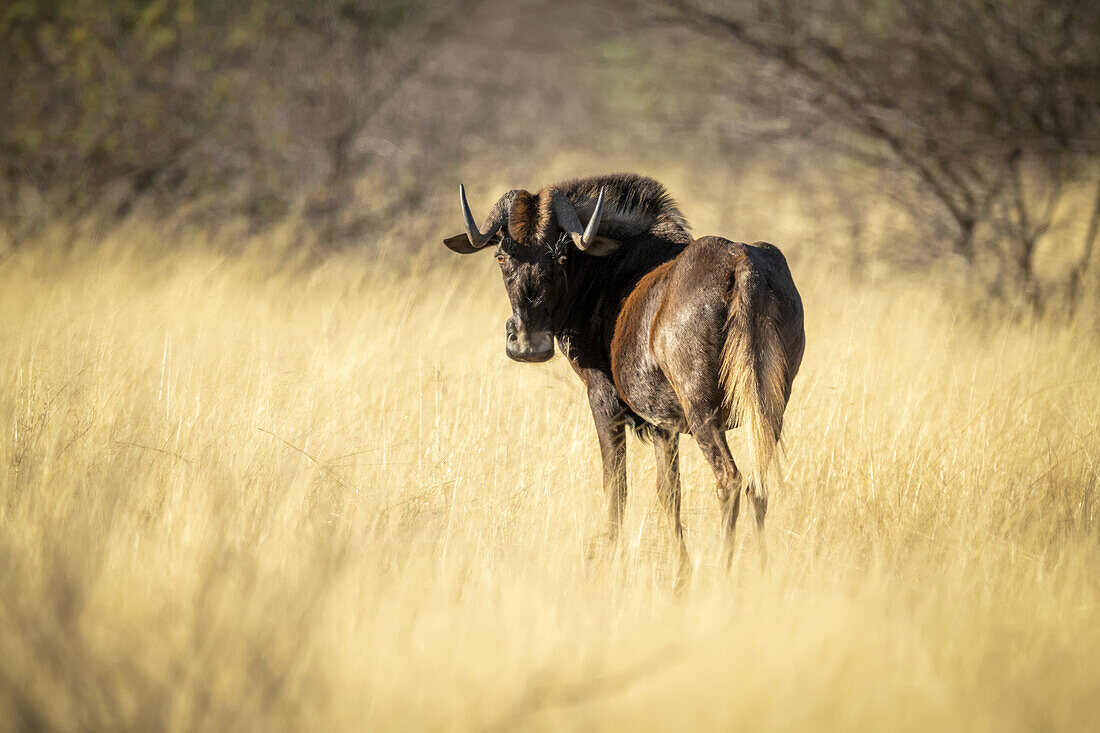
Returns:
<point x="754" y="371"/>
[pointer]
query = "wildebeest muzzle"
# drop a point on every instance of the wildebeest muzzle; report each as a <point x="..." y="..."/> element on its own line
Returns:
<point x="528" y="345"/>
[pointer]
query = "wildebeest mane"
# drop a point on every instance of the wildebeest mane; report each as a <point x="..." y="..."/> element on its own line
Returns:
<point x="635" y="206"/>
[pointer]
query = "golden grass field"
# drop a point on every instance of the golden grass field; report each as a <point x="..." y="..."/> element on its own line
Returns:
<point x="245" y="495"/>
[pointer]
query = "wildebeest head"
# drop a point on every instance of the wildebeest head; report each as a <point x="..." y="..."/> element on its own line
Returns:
<point x="535" y="236"/>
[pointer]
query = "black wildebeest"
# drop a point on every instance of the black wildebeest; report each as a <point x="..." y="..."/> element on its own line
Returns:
<point x="668" y="334"/>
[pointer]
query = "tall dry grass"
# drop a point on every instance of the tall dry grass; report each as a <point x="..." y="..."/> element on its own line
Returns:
<point x="245" y="496"/>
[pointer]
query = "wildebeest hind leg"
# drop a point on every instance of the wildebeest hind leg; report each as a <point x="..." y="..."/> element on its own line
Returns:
<point x="712" y="441"/>
<point x="760" y="507"/>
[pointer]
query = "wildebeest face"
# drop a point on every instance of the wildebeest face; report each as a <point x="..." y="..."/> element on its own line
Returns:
<point x="535" y="234"/>
<point x="534" y="279"/>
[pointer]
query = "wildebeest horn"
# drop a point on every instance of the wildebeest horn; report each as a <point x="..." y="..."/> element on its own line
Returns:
<point x="570" y="222"/>
<point x="477" y="239"/>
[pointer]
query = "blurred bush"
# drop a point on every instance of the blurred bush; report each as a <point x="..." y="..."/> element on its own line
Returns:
<point x="246" y="106"/>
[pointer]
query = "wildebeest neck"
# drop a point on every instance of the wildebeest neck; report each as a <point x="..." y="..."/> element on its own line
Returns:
<point x="595" y="290"/>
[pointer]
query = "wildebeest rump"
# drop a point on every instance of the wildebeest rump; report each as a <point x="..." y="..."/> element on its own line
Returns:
<point x="669" y="335"/>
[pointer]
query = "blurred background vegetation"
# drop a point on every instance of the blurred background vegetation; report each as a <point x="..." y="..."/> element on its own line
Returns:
<point x="266" y="465"/>
<point x="955" y="138"/>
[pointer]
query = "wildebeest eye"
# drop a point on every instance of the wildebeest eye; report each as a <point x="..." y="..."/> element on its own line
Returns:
<point x="561" y="259"/>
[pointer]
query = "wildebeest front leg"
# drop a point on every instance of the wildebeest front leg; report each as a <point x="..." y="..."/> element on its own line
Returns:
<point x="712" y="441"/>
<point x="607" y="412"/>
<point x="667" y="448"/>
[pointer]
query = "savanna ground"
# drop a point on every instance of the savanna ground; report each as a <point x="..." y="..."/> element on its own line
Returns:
<point x="253" y="492"/>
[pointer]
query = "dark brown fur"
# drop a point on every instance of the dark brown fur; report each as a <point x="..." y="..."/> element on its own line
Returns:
<point x="669" y="335"/>
<point x="709" y="342"/>
<point x="530" y="217"/>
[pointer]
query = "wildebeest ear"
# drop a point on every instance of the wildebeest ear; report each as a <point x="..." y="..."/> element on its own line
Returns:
<point x="461" y="243"/>
<point x="602" y="246"/>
